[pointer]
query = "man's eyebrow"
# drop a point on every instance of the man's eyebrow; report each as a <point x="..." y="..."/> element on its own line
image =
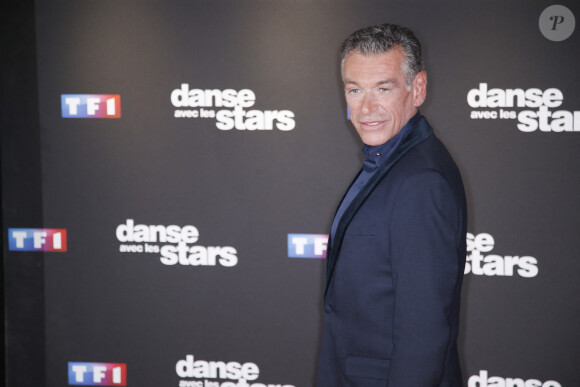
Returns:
<point x="389" y="81"/>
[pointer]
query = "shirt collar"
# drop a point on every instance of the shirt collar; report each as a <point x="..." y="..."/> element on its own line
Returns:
<point x="375" y="155"/>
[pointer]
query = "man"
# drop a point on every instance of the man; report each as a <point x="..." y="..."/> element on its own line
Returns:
<point x="396" y="253"/>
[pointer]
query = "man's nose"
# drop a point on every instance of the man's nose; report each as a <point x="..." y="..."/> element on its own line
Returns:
<point x="368" y="103"/>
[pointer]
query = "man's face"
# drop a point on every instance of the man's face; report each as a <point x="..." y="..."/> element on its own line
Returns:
<point x="377" y="96"/>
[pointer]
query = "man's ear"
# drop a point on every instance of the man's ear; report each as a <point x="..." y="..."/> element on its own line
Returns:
<point x="419" y="88"/>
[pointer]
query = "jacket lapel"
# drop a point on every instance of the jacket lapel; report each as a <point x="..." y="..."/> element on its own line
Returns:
<point x="421" y="132"/>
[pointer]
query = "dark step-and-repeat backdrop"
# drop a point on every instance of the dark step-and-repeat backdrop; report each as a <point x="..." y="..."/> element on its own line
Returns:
<point x="188" y="157"/>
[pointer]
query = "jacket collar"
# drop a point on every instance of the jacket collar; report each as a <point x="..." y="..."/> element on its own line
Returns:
<point x="420" y="132"/>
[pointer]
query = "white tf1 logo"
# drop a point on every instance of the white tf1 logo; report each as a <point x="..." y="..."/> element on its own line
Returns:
<point x="503" y="104"/>
<point x="482" y="380"/>
<point x="232" y="113"/>
<point x="493" y="264"/>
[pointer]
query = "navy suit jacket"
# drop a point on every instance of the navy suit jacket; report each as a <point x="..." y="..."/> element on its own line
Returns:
<point x="394" y="272"/>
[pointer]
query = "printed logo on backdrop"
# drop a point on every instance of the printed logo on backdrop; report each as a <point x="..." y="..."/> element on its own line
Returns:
<point x="539" y="105"/>
<point x="557" y="23"/>
<point x="90" y="105"/>
<point x="307" y="245"/>
<point x="228" y="109"/>
<point x="173" y="245"/>
<point x="493" y="264"/>
<point x="483" y="380"/>
<point x="315" y="245"/>
<point x="97" y="374"/>
<point x="37" y="239"/>
<point x="201" y="373"/>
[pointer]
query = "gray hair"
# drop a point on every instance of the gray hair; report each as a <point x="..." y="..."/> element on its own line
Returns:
<point x="380" y="39"/>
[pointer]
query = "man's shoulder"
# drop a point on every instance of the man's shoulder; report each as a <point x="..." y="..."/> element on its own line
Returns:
<point x="428" y="154"/>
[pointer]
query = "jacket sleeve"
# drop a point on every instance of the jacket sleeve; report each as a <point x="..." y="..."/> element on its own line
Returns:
<point x="425" y="230"/>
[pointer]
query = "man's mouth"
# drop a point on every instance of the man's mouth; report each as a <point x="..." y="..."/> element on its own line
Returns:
<point x="371" y="123"/>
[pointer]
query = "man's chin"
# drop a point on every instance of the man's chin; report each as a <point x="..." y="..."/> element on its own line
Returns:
<point x="375" y="142"/>
<point x="374" y="139"/>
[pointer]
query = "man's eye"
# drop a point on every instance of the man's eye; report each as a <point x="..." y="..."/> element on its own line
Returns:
<point x="354" y="91"/>
<point x="383" y="90"/>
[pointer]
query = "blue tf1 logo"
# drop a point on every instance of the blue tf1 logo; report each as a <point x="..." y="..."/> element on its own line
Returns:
<point x="307" y="245"/>
<point x="37" y="239"/>
<point x="91" y="105"/>
<point x="97" y="374"/>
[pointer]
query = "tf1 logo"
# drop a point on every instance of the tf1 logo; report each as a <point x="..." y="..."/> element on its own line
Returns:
<point x="307" y="245"/>
<point x="90" y="105"/>
<point x="97" y="374"/>
<point x="37" y="239"/>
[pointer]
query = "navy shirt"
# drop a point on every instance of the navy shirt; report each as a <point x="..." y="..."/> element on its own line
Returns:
<point x="374" y="156"/>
